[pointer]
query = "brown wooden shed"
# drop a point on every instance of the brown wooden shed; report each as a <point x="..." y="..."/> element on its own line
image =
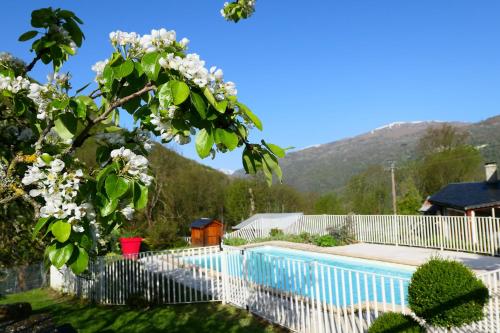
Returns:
<point x="206" y="232"/>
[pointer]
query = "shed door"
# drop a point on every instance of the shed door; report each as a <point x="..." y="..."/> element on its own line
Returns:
<point x="196" y="237"/>
<point x="212" y="234"/>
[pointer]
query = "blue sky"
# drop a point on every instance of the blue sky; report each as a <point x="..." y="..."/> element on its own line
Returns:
<point x="314" y="71"/>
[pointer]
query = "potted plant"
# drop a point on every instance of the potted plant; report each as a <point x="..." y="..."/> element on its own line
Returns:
<point x="130" y="242"/>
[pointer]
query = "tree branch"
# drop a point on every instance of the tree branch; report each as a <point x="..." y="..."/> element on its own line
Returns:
<point x="35" y="60"/>
<point x="34" y="203"/>
<point x="96" y="93"/>
<point x="85" y="132"/>
<point x="20" y="193"/>
<point x="43" y="135"/>
<point x="8" y="199"/>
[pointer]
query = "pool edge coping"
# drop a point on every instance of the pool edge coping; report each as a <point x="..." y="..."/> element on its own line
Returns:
<point x="333" y="251"/>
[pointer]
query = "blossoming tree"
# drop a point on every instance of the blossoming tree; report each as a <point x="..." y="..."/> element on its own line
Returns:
<point x="170" y="94"/>
<point x="238" y="9"/>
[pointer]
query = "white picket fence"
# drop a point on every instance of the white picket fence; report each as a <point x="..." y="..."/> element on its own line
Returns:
<point x="167" y="277"/>
<point x="304" y="296"/>
<point x="310" y="296"/>
<point x="461" y="233"/>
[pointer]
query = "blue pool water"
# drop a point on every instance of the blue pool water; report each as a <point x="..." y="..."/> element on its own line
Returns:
<point x="336" y="280"/>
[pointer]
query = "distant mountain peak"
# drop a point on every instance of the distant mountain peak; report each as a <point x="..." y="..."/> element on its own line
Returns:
<point x="329" y="166"/>
<point x="404" y="123"/>
<point x="307" y="147"/>
<point x="228" y="172"/>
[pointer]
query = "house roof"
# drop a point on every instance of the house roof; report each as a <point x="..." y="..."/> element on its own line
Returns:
<point x="464" y="196"/>
<point x="428" y="208"/>
<point x="203" y="222"/>
<point x="267" y="216"/>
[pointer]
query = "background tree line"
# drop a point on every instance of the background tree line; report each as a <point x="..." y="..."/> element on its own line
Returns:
<point x="185" y="190"/>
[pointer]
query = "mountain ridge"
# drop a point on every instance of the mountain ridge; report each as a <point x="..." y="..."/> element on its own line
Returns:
<point x="327" y="167"/>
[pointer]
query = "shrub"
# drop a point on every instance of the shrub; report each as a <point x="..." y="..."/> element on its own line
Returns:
<point x="306" y="237"/>
<point x="276" y="232"/>
<point x="392" y="322"/>
<point x="325" y="241"/>
<point x="344" y="233"/>
<point x="163" y="234"/>
<point x="235" y="241"/>
<point x="446" y="293"/>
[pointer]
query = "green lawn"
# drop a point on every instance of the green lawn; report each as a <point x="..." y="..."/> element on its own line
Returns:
<point x="204" y="317"/>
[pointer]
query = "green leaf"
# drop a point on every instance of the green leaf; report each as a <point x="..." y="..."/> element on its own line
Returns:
<point x="273" y="165"/>
<point x="101" y="175"/>
<point x="250" y="115"/>
<point x="115" y="186"/>
<point x="60" y="104"/>
<point x="39" y="225"/>
<point x="67" y="49"/>
<point x="81" y="104"/>
<point x="276" y="150"/>
<point x="221" y="106"/>
<point x="40" y="16"/>
<point x="228" y="138"/>
<point x="80" y="264"/>
<point x="204" y="142"/>
<point x="151" y="66"/>
<point x="124" y="70"/>
<point x="59" y="254"/>
<point x="74" y="31"/>
<point x="140" y="196"/>
<point x="108" y="75"/>
<point x="65" y="126"/>
<point x="199" y="104"/>
<point x="82" y="88"/>
<point x="165" y="95"/>
<point x="28" y="35"/>
<point x="138" y="69"/>
<point x="46" y="158"/>
<point x="180" y="91"/>
<point x="249" y="162"/>
<point x="108" y="206"/>
<point x="61" y="231"/>
<point x="267" y="173"/>
<point x="102" y="154"/>
<point x="210" y="97"/>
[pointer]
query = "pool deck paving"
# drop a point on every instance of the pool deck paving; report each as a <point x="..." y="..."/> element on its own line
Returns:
<point x="404" y="255"/>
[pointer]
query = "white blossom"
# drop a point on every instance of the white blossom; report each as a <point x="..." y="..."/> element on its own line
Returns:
<point x="191" y="67"/>
<point x="163" y="127"/>
<point x="182" y="139"/>
<point x="78" y="228"/>
<point x="184" y="42"/>
<point x="128" y="212"/>
<point x="98" y="68"/>
<point x="58" y="190"/>
<point x="144" y="138"/>
<point x="136" y="165"/>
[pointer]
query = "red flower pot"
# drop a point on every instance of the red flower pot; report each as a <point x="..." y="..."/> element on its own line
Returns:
<point x="130" y="246"/>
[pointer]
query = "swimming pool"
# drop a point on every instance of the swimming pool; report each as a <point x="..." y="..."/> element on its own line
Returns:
<point x="332" y="279"/>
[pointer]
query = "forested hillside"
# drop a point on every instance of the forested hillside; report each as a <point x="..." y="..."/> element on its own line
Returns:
<point x="328" y="167"/>
<point x="185" y="190"/>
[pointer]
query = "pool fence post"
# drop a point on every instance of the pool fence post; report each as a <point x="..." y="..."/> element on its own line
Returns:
<point x="224" y="280"/>
<point x="319" y="326"/>
<point x="245" y="279"/>
<point x="441" y="229"/>
<point x="395" y="229"/>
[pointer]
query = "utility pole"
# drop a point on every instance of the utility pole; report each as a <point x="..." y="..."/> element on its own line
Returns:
<point x="393" y="181"/>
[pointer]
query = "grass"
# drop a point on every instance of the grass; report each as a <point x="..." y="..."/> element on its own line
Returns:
<point x="202" y="317"/>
